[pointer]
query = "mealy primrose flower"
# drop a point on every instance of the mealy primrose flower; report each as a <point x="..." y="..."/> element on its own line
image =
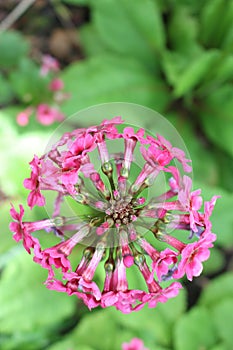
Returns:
<point x="135" y="344"/>
<point x="132" y="223"/>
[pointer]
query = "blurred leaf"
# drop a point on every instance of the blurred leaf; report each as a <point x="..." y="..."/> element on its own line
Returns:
<point x="26" y="305"/>
<point x="156" y="324"/>
<point x="112" y="79"/>
<point x="221" y="346"/>
<point x="68" y="345"/>
<point x="216" y="117"/>
<point x="223" y="320"/>
<point x="223" y="71"/>
<point x="19" y="148"/>
<point x="26" y="341"/>
<point x="205" y="168"/>
<point x="122" y="26"/>
<point x="13" y="48"/>
<point x="210" y="34"/>
<point x="92" y="44"/>
<point x="105" y="332"/>
<point x="195" y="72"/>
<point x="218" y="289"/>
<point x="173" y="64"/>
<point x="28" y="85"/>
<point x="5" y="90"/>
<point x="194" y="330"/>
<point x="145" y="324"/>
<point x="183" y="30"/>
<point x="215" y="263"/>
<point x="227" y="42"/>
<point x="221" y="218"/>
<point x="225" y="164"/>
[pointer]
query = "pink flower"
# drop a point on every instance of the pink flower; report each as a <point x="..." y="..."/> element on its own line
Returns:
<point x="191" y="201"/>
<point x="161" y="265"/>
<point x="20" y="231"/>
<point x="162" y="295"/>
<point x="52" y="257"/>
<point x="112" y="216"/>
<point x="56" y="84"/>
<point x="135" y="344"/>
<point x="173" y="151"/>
<point x="23" y="117"/>
<point x="35" y="197"/>
<point x="49" y="64"/>
<point x="155" y="156"/>
<point x="47" y="115"/>
<point x="192" y="256"/>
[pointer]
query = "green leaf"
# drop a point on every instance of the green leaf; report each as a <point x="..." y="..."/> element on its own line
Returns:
<point x="222" y="346"/>
<point x="121" y="25"/>
<point x="222" y="316"/>
<point x="92" y="44"/>
<point x="183" y="30"/>
<point x="210" y="34"/>
<point x="173" y="64"/>
<point x="28" y="85"/>
<point x="5" y="90"/>
<point x="225" y="164"/>
<point x="218" y="289"/>
<point x="194" y="330"/>
<point x="228" y="41"/>
<point x="100" y="323"/>
<point x="195" y="72"/>
<point x="215" y="263"/>
<point x="156" y="324"/>
<point x="20" y="148"/>
<point x="216" y="117"/>
<point x="222" y="217"/>
<point x="224" y="69"/>
<point x="13" y="48"/>
<point x="112" y="79"/>
<point x="26" y="305"/>
<point x="205" y="168"/>
<point x="68" y="344"/>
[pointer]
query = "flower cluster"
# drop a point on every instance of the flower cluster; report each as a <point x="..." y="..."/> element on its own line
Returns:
<point x="46" y="113"/>
<point x="161" y="237"/>
<point x="135" y="344"/>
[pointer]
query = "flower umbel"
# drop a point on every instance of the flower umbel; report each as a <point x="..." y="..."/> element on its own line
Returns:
<point x="120" y="222"/>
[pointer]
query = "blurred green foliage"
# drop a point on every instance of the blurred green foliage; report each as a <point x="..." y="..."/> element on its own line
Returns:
<point x="175" y="56"/>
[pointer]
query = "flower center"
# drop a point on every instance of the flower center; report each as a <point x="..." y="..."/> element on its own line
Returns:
<point x="121" y="211"/>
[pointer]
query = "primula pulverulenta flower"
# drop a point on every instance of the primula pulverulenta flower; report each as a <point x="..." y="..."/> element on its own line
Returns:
<point x="135" y="344"/>
<point x="127" y="225"/>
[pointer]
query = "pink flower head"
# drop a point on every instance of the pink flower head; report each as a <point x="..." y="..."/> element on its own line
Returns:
<point x="20" y="230"/>
<point x="49" y="64"/>
<point x="35" y="197"/>
<point x="193" y="255"/>
<point x="23" y="117"/>
<point x="162" y="264"/>
<point x="192" y="201"/>
<point x="47" y="115"/>
<point x="112" y="214"/>
<point x="135" y="344"/>
<point x="56" y="84"/>
<point x="174" y="152"/>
